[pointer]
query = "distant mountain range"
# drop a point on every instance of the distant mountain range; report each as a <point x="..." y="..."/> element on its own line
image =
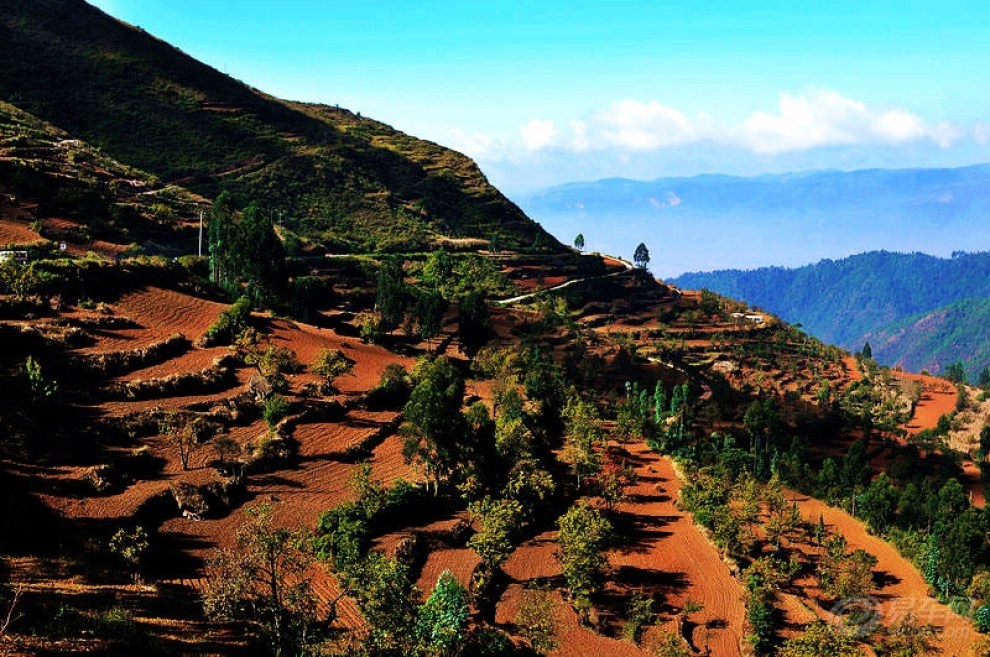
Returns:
<point x="917" y="311"/>
<point x="715" y="222"/>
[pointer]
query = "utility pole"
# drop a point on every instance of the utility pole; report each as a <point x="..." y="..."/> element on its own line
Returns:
<point x="200" y="233"/>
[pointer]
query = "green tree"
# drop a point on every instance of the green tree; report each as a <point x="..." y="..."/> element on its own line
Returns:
<point x="906" y="638"/>
<point x="963" y="545"/>
<point x="438" y="269"/>
<point x="951" y="499"/>
<point x="222" y="242"/>
<point x="441" y="623"/>
<point x="984" y="380"/>
<point x="272" y="362"/>
<point x="245" y="250"/>
<point x="330" y="364"/>
<point x="867" y="352"/>
<point x="956" y="372"/>
<point x="262" y="583"/>
<point x="641" y="257"/>
<point x="390" y="299"/>
<point x="579" y="242"/>
<point x="762" y="423"/>
<point x="434" y="427"/>
<point x="582" y="439"/>
<point x="878" y="503"/>
<point x="639" y="615"/>
<point x="387" y="598"/>
<point x="856" y="465"/>
<point x="499" y="520"/>
<point x="475" y="324"/>
<point x="261" y="256"/>
<point x="583" y="536"/>
<point x="910" y="507"/>
<point x="430" y="307"/>
<point x="131" y="546"/>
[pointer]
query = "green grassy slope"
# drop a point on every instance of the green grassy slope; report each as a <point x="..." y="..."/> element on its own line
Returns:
<point x="339" y="178"/>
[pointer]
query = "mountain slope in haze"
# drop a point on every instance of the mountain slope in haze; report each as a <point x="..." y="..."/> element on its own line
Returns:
<point x="334" y="177"/>
<point x="956" y="332"/>
<point x="875" y="296"/>
<point x="716" y="222"/>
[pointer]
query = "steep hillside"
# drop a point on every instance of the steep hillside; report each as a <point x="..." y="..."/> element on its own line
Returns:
<point x="874" y="294"/>
<point x="933" y="340"/>
<point x="350" y="182"/>
<point x="72" y="192"/>
<point x="715" y="221"/>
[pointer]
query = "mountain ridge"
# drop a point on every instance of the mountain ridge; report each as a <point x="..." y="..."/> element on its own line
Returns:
<point x="340" y="179"/>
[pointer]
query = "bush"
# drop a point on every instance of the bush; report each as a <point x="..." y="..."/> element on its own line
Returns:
<point x="536" y="620"/>
<point x="275" y="410"/>
<point x="982" y="619"/>
<point x="369" y="327"/>
<point x="760" y="617"/>
<point x="229" y="324"/>
<point x="392" y="390"/>
<point x="639" y="615"/>
<point x="130" y="546"/>
<point x="330" y="364"/>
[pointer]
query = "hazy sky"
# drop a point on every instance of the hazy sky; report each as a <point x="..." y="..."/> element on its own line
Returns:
<point x="548" y="92"/>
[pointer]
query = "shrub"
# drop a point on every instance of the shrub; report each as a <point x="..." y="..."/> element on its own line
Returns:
<point x="229" y="324"/>
<point x="275" y="409"/>
<point x="639" y="614"/>
<point x="130" y="546"/>
<point x="536" y="620"/>
<point x="330" y="364"/>
<point x="369" y="327"/>
<point x="393" y="388"/>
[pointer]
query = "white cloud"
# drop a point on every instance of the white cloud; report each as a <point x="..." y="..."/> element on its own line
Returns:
<point x="812" y="119"/>
<point x="538" y="134"/>
<point x="579" y="137"/>
<point x="639" y="126"/>
<point x="476" y="144"/>
<point x="672" y="201"/>
<point x="825" y="118"/>
<point x="981" y="132"/>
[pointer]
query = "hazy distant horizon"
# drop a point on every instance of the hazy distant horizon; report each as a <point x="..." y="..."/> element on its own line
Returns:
<point x="716" y="222"/>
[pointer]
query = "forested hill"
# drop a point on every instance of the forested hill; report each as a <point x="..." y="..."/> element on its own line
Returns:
<point x="956" y="332"/>
<point x="880" y="294"/>
<point x="335" y="177"/>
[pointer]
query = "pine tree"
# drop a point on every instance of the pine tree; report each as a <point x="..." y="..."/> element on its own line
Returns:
<point x="641" y="257"/>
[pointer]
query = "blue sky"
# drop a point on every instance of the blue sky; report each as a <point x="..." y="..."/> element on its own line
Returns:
<point x="548" y="92"/>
